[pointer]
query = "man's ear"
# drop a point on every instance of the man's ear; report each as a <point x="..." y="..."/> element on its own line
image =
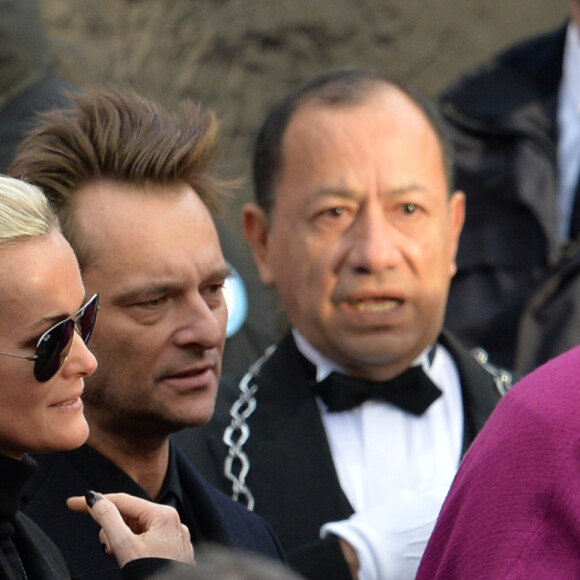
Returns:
<point x="457" y="216"/>
<point x="255" y="226"/>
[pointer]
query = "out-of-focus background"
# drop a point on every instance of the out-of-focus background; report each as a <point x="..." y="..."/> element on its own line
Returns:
<point x="238" y="56"/>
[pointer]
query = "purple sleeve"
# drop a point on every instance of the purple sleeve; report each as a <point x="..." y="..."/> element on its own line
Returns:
<point x="513" y="510"/>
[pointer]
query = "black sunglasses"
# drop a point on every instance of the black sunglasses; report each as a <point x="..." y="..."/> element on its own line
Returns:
<point x="54" y="345"/>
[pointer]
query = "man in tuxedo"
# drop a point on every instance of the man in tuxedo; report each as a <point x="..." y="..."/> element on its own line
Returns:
<point x="135" y="193"/>
<point x="356" y="226"/>
<point x="515" y="128"/>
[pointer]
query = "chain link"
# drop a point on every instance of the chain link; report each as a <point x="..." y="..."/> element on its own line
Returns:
<point x="237" y="463"/>
<point x="503" y="379"/>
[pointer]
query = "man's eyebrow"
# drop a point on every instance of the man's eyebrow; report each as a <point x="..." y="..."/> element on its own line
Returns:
<point x="222" y="273"/>
<point x="346" y="193"/>
<point x="143" y="293"/>
<point x="343" y="192"/>
<point x="405" y="188"/>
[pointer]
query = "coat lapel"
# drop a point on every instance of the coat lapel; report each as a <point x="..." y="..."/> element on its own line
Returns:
<point x="479" y="391"/>
<point x="302" y="477"/>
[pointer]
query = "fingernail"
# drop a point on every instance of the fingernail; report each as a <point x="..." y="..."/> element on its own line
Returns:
<point x="92" y="497"/>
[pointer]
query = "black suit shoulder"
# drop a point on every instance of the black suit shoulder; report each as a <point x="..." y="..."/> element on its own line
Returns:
<point x="225" y="521"/>
<point x="63" y="474"/>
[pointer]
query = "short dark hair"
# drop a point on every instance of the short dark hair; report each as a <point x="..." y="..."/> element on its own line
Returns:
<point x="116" y="135"/>
<point x="346" y="86"/>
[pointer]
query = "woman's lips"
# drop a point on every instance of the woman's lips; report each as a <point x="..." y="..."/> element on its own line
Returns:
<point x="73" y="404"/>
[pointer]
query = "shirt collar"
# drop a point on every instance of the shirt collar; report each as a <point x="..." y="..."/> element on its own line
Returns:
<point x="171" y="488"/>
<point x="324" y="366"/>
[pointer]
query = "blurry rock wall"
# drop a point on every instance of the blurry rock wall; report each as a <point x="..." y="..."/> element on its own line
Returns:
<point x="238" y="56"/>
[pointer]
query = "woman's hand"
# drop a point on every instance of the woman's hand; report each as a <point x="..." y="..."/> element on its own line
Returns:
<point x="133" y="528"/>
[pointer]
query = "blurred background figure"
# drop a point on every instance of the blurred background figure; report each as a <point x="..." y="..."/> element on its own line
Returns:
<point x="220" y="563"/>
<point x="28" y="83"/>
<point x="515" y="124"/>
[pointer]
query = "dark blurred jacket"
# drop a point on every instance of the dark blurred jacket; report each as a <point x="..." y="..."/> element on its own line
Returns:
<point x="517" y="289"/>
<point x="67" y="473"/>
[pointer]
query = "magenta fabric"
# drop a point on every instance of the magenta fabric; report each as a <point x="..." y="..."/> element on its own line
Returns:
<point x="513" y="511"/>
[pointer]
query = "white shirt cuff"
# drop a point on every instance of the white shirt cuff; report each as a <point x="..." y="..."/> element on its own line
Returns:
<point x="390" y="537"/>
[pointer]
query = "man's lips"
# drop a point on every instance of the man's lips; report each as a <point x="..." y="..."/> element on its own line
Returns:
<point x="193" y="378"/>
<point x="378" y="305"/>
<point x="192" y="372"/>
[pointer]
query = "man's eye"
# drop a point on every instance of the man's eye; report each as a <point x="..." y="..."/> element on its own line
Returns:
<point x="410" y="208"/>
<point x="153" y="303"/>
<point x="216" y="288"/>
<point x="334" y="211"/>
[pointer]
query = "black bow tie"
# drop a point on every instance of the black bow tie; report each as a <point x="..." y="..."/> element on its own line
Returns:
<point x="412" y="391"/>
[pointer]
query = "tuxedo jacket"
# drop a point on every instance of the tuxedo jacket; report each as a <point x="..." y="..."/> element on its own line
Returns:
<point x="64" y="474"/>
<point x="291" y="471"/>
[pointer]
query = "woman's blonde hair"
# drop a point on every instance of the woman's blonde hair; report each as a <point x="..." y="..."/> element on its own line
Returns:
<point x="24" y="212"/>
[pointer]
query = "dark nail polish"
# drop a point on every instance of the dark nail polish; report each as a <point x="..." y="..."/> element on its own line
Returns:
<point x="92" y="497"/>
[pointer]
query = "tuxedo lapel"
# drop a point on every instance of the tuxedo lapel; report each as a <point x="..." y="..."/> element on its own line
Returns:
<point x="290" y="458"/>
<point x="478" y="402"/>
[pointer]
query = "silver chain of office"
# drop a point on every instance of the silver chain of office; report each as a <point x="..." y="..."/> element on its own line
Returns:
<point x="503" y="378"/>
<point x="237" y="463"/>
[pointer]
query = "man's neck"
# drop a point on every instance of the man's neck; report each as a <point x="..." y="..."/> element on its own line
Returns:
<point x="143" y="459"/>
<point x="325" y="365"/>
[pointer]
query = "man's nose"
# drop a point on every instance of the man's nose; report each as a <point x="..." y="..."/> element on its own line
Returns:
<point x="201" y="324"/>
<point x="374" y="243"/>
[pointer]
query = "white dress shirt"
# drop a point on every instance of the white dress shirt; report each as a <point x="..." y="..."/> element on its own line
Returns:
<point x="394" y="468"/>
<point x="569" y="129"/>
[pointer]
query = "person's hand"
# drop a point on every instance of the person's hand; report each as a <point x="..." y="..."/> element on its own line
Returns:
<point x="133" y="528"/>
<point x="388" y="538"/>
<point x="350" y="556"/>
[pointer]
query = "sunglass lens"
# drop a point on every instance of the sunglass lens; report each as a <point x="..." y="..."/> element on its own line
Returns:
<point x="56" y="342"/>
<point x="86" y="321"/>
<point x="52" y="350"/>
